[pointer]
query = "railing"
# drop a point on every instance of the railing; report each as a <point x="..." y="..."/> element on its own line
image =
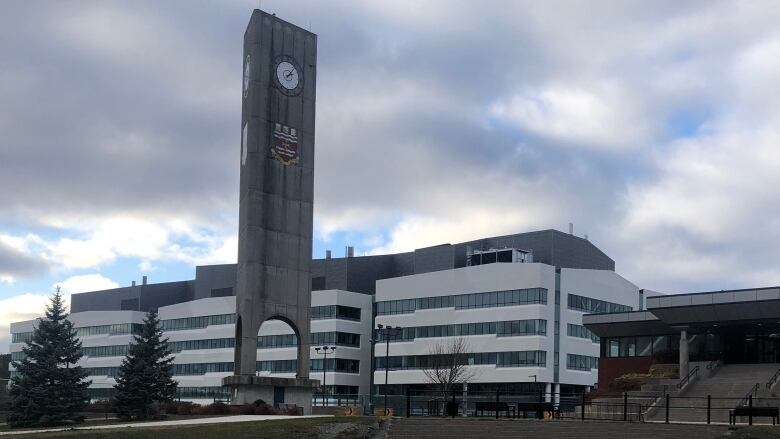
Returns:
<point x="687" y="379"/>
<point x="744" y="400"/>
<point x="772" y="381"/>
<point x="623" y="406"/>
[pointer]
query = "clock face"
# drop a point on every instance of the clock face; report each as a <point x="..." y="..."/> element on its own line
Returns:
<point x="288" y="76"/>
<point x="246" y="76"/>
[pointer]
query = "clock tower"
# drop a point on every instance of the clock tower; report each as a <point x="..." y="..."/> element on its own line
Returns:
<point x="276" y="201"/>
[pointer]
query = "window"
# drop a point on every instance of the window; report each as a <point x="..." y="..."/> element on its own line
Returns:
<point x="340" y="365"/>
<point x="522" y="359"/>
<point x="116" y="329"/>
<point x="581" y="362"/>
<point x="581" y="332"/>
<point x="462" y="301"/>
<point x="335" y="338"/>
<point x="105" y="351"/>
<point x="278" y="366"/>
<point x="191" y="345"/>
<point x="277" y="341"/>
<point x="201" y="368"/>
<point x="21" y="337"/>
<point x="586" y="304"/>
<point x="197" y="322"/>
<point x="498" y="359"/>
<point x="336" y="312"/>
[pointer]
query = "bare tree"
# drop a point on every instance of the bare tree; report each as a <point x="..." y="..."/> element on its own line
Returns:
<point x="448" y="365"/>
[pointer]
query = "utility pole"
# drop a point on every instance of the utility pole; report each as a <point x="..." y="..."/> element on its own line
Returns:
<point x="385" y="332"/>
<point x="325" y="352"/>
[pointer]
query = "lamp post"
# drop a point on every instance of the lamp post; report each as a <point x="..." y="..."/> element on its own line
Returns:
<point x="386" y="332"/>
<point x="325" y="352"/>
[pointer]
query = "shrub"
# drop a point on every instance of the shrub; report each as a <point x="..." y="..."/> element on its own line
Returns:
<point x="629" y="381"/>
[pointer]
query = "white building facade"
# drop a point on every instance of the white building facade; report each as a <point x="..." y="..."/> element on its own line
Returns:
<point x="521" y="324"/>
<point x="201" y="335"/>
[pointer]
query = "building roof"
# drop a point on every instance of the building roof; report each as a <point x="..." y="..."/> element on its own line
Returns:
<point x="669" y="313"/>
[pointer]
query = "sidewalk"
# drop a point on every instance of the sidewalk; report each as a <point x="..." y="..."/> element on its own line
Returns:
<point x="198" y="421"/>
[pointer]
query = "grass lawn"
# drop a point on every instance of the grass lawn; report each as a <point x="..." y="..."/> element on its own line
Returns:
<point x="301" y="428"/>
<point x="756" y="432"/>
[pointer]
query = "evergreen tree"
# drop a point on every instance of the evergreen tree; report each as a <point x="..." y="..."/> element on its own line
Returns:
<point x="145" y="376"/>
<point x="48" y="388"/>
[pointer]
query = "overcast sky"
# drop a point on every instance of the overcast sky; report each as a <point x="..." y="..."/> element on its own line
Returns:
<point x="652" y="126"/>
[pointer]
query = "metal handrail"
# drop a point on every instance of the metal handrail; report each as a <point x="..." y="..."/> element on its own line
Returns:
<point x="694" y="372"/>
<point x="714" y="364"/>
<point x="749" y="394"/>
<point x="773" y="380"/>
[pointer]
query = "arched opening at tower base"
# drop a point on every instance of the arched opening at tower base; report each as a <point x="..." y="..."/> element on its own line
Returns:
<point x="276" y="378"/>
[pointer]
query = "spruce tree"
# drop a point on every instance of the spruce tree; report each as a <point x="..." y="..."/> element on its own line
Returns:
<point x="145" y="376"/>
<point x="48" y="388"/>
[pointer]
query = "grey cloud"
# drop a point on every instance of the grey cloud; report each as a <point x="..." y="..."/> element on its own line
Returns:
<point x="14" y="263"/>
<point x="149" y="123"/>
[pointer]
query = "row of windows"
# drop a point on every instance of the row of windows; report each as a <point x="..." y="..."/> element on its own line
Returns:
<point x="115" y="329"/>
<point x="85" y="331"/>
<point x="105" y="351"/>
<point x="201" y="368"/>
<point x="267" y="341"/>
<point x="277" y="341"/>
<point x="277" y="366"/>
<point x="335" y="312"/>
<point x="580" y="331"/>
<point x="501" y="329"/>
<point x="589" y="305"/>
<point x="21" y="337"/>
<point x="581" y="362"/>
<point x="639" y="346"/>
<point x="192" y="345"/>
<point x="499" y="359"/>
<point x="336" y="338"/>
<point x="197" y="322"/>
<point x="464" y="301"/>
<point x="342" y="365"/>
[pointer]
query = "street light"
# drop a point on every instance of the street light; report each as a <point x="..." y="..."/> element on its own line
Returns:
<point x="386" y="332"/>
<point x="325" y="352"/>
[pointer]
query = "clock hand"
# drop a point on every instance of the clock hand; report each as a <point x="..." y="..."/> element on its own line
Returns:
<point x="288" y="74"/>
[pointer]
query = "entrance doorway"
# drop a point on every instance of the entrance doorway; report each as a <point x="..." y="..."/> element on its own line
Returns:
<point x="750" y="346"/>
<point x="278" y="396"/>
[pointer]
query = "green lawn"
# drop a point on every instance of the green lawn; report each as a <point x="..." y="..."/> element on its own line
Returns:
<point x="302" y="428"/>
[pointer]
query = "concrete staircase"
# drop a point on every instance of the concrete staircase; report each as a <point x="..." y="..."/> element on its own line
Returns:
<point x="727" y="386"/>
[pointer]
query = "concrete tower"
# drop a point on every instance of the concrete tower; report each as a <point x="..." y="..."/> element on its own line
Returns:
<point x="277" y="186"/>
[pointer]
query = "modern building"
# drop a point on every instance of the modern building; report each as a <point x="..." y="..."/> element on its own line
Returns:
<point x="521" y="323"/>
<point x="516" y="300"/>
<point x="733" y="327"/>
<point x="201" y="334"/>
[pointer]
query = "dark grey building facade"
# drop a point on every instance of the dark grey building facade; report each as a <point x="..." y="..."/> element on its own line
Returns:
<point x="357" y="274"/>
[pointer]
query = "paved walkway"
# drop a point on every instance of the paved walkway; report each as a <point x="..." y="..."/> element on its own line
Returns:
<point x="196" y="421"/>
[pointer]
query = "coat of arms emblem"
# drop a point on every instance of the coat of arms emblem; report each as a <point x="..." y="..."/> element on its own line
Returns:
<point x="284" y="144"/>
